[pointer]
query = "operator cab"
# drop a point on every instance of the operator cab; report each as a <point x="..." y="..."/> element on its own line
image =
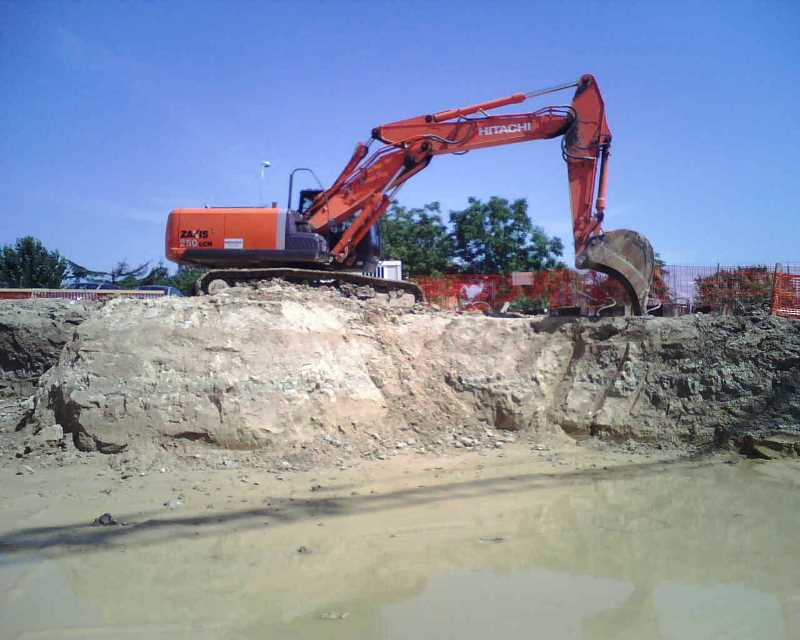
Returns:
<point x="307" y="197"/>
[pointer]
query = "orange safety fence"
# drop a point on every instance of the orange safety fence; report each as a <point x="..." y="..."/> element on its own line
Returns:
<point x="76" y="294"/>
<point x="786" y="292"/>
<point x="676" y="289"/>
<point x="718" y="287"/>
<point x="552" y="289"/>
<point x="481" y="292"/>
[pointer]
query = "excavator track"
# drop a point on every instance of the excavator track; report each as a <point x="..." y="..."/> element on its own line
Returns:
<point x="233" y="277"/>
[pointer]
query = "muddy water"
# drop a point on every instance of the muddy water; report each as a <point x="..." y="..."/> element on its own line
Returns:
<point x="686" y="550"/>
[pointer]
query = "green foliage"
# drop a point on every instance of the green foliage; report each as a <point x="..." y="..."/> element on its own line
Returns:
<point x="184" y="279"/>
<point x="77" y="274"/>
<point x="140" y="276"/>
<point x="418" y="237"/>
<point x="127" y="277"/>
<point x="157" y="275"/>
<point x="122" y="275"/>
<point x="531" y="306"/>
<point x="491" y="237"/>
<point x="28" y="264"/>
<point x="498" y="237"/>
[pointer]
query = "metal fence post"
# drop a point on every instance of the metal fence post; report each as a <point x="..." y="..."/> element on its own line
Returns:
<point x="773" y="300"/>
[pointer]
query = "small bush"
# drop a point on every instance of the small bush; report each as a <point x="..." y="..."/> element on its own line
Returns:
<point x="529" y="306"/>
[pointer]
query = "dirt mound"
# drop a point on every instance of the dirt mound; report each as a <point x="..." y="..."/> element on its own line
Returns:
<point x="307" y="372"/>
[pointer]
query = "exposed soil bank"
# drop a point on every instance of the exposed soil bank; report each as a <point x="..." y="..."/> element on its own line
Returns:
<point x="307" y="374"/>
<point x="32" y="335"/>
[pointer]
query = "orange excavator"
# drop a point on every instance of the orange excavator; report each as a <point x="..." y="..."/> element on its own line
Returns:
<point x="332" y="235"/>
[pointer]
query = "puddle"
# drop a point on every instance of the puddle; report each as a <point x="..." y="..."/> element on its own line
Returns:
<point x="677" y="551"/>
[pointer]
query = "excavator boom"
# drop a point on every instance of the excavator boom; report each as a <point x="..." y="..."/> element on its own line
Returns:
<point x="362" y="193"/>
<point x="625" y="255"/>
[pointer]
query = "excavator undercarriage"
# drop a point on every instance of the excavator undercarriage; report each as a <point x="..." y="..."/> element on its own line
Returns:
<point x="314" y="277"/>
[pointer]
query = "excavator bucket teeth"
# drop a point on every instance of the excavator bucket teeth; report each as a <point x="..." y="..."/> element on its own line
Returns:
<point x="627" y="257"/>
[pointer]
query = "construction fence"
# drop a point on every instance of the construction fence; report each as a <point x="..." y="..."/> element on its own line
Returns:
<point x="786" y="292"/>
<point x="76" y="294"/>
<point x="677" y="289"/>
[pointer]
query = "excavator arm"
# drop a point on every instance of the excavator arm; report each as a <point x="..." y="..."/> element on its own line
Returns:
<point x="363" y="191"/>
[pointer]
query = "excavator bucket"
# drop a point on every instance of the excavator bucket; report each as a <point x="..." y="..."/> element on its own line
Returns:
<point x="627" y="257"/>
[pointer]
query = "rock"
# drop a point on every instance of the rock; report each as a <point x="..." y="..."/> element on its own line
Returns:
<point x="217" y="286"/>
<point x="105" y="520"/>
<point x="765" y="452"/>
<point x="24" y="452"/>
<point x="771" y="445"/>
<point x="361" y="292"/>
<point x="405" y="300"/>
<point x="334" y="615"/>
<point x="53" y="433"/>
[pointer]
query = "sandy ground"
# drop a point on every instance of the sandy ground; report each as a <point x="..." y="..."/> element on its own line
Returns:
<point x="53" y="559"/>
<point x="580" y="540"/>
<point x="60" y="484"/>
<point x="577" y="539"/>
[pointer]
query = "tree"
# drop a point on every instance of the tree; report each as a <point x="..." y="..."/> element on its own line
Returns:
<point x="184" y="279"/>
<point x="157" y="275"/>
<point x="126" y="276"/>
<point x="121" y="274"/>
<point x="498" y="237"/>
<point x="28" y="264"/>
<point x="129" y="277"/>
<point x="418" y="237"/>
<point x="77" y="273"/>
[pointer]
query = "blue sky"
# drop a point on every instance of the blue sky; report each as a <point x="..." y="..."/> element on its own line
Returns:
<point x="114" y="113"/>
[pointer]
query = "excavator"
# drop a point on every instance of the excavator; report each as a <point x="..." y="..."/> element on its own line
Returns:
<point x="332" y="236"/>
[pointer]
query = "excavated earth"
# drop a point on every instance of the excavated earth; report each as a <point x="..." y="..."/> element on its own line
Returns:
<point x="32" y="335"/>
<point x="304" y="375"/>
